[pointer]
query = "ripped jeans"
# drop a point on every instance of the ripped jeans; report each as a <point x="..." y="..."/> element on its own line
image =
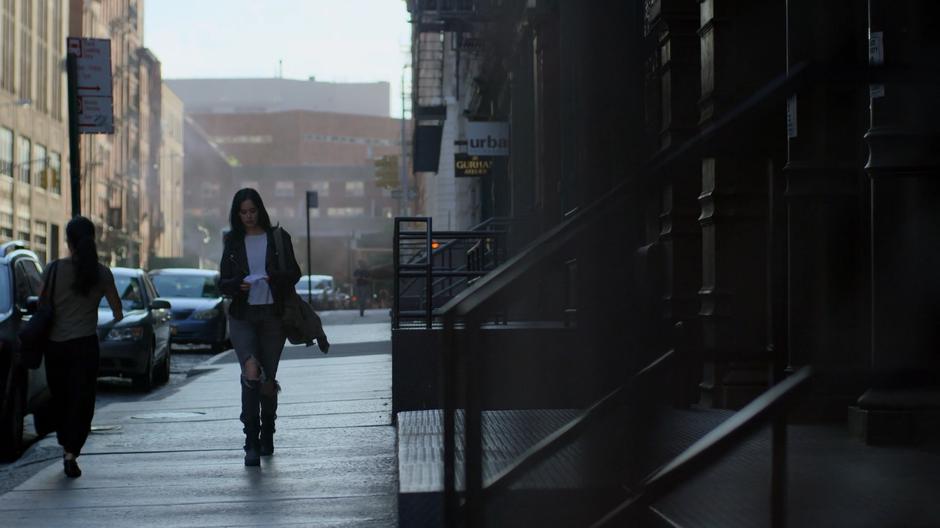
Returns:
<point x="259" y="340"/>
<point x="259" y="336"/>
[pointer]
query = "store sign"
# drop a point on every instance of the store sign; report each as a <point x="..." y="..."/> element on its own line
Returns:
<point x="488" y="138"/>
<point x="466" y="166"/>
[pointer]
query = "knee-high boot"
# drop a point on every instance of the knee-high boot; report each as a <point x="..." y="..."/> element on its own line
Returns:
<point x="251" y="420"/>
<point x="268" y="416"/>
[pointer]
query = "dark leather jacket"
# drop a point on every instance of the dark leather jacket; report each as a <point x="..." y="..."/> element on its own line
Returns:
<point x="234" y="268"/>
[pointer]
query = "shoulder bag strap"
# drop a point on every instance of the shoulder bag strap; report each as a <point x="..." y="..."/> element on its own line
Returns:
<point x="279" y="244"/>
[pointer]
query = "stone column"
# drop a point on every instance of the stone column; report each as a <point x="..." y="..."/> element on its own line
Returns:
<point x="824" y="179"/>
<point x="673" y="91"/>
<point x="904" y="165"/>
<point x="742" y="49"/>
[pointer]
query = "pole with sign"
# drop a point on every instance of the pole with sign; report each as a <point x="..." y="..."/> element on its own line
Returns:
<point x="91" y="110"/>
<point x="312" y="203"/>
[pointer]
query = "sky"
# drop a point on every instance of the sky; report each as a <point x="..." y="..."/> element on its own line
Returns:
<point x="332" y="40"/>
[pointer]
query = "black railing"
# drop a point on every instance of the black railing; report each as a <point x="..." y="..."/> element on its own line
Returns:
<point x="771" y="405"/>
<point x="457" y="259"/>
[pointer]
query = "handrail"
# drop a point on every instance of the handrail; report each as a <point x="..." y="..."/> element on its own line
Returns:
<point x="710" y="447"/>
<point x="546" y="244"/>
<point x="396" y="255"/>
<point x="559" y="439"/>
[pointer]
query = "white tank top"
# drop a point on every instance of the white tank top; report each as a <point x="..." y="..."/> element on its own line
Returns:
<point x="257" y="248"/>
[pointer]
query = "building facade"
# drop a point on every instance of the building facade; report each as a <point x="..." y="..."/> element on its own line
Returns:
<point x="169" y="241"/>
<point x="712" y="201"/>
<point x="34" y="194"/>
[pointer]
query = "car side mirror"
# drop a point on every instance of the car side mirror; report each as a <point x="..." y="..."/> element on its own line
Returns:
<point x="32" y="304"/>
<point x="160" y="304"/>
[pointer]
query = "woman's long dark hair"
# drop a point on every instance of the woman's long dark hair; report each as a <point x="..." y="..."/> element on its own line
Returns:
<point x="235" y="222"/>
<point x="80" y="233"/>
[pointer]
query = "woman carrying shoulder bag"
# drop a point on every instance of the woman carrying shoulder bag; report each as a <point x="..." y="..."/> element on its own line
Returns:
<point x="251" y="275"/>
<point x="72" y="351"/>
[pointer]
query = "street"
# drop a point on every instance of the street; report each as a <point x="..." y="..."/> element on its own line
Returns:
<point x="185" y="439"/>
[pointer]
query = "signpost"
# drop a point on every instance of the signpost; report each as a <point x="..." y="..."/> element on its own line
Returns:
<point x="91" y="109"/>
<point x="313" y="201"/>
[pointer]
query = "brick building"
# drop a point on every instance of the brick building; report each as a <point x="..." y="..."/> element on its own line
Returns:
<point x="34" y="193"/>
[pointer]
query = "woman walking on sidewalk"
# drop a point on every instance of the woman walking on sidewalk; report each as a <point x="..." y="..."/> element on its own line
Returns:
<point x="251" y="276"/>
<point x="72" y="354"/>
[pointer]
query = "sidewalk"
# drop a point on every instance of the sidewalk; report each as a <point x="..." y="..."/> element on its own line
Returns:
<point x="176" y="460"/>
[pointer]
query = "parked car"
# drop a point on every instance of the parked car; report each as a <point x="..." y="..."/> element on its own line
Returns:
<point x="198" y="306"/>
<point x="319" y="289"/>
<point x="138" y="346"/>
<point x="22" y="391"/>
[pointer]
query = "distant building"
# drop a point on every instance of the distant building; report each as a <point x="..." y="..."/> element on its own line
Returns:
<point x="238" y="96"/>
<point x="207" y="194"/>
<point x="169" y="242"/>
<point x="283" y="148"/>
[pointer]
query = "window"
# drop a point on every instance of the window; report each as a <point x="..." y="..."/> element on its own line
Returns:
<point x="236" y="140"/>
<point x="345" y="212"/>
<point x="39" y="166"/>
<point x="355" y="188"/>
<point x="26" y="50"/>
<point x="187" y="286"/>
<point x="6" y="152"/>
<point x="6" y="226"/>
<point x="284" y="189"/>
<point x="23" y="153"/>
<point x="130" y="291"/>
<point x="314" y="213"/>
<point x="7" y="45"/>
<point x="41" y="241"/>
<point x="57" y="77"/>
<point x="322" y="188"/>
<point x="55" y="172"/>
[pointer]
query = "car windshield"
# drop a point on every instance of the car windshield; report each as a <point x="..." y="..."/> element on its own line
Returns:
<point x="189" y="286"/>
<point x="130" y="290"/>
<point x="315" y="284"/>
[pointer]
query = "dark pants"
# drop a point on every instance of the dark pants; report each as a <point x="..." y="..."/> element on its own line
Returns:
<point x="259" y="335"/>
<point x="72" y="374"/>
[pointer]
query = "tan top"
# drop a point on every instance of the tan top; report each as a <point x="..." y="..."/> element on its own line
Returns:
<point x="75" y="315"/>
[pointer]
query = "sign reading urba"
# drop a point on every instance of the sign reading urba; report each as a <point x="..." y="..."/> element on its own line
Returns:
<point x="487" y="138"/>
<point x="466" y="165"/>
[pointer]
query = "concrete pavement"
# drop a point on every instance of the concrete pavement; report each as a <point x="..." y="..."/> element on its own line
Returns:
<point x="175" y="459"/>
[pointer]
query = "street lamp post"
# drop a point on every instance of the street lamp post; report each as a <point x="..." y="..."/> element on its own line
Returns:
<point x="312" y="203"/>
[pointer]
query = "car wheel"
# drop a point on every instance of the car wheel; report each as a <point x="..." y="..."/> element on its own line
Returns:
<point x="11" y="424"/>
<point x="144" y="382"/>
<point x="163" y="374"/>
